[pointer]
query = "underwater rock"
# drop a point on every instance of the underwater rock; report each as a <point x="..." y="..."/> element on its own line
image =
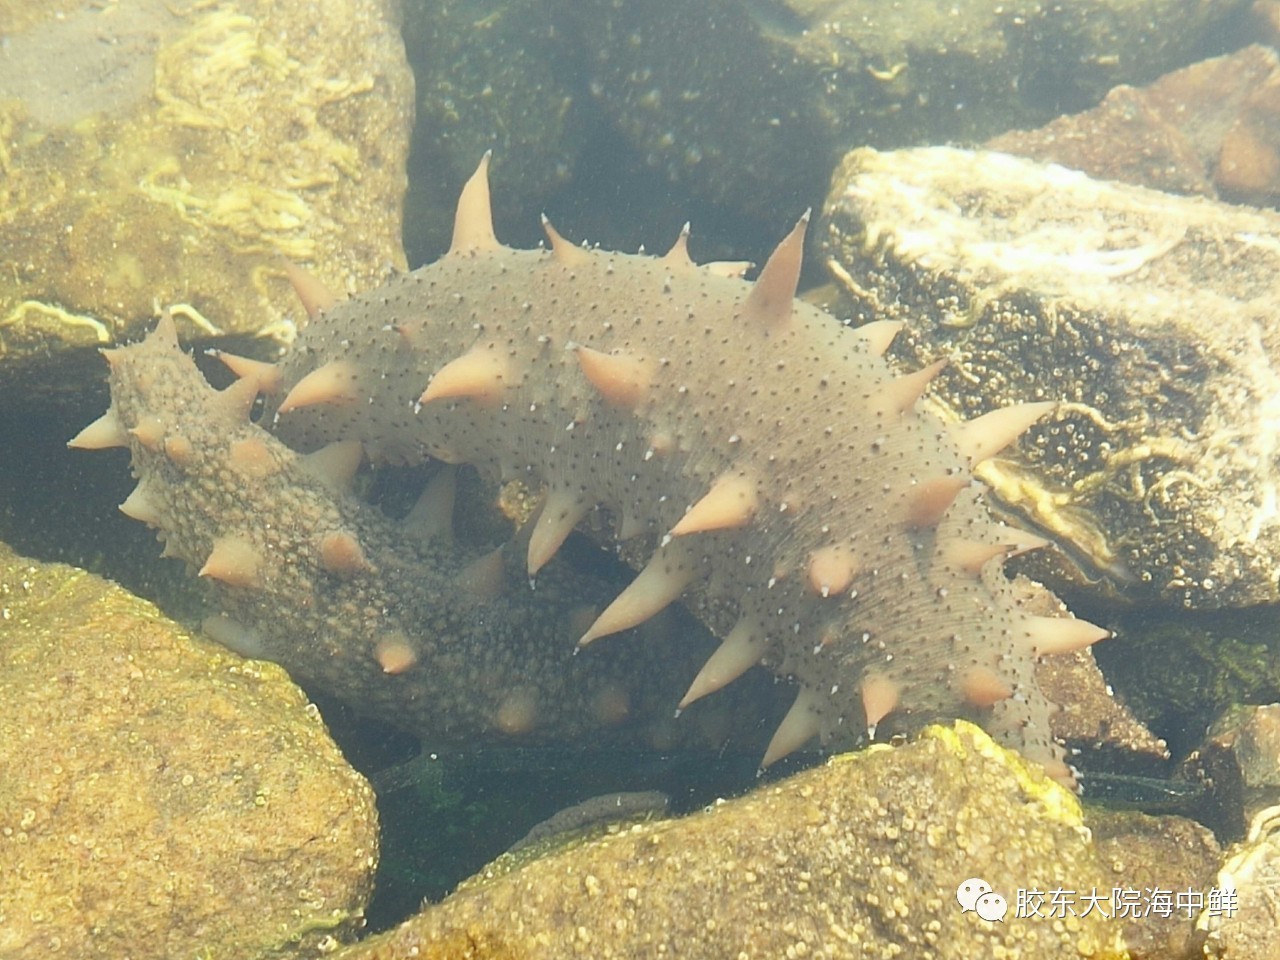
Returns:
<point x="162" y="797"/>
<point x="1252" y="873"/>
<point x="1153" y="318"/>
<point x="1146" y="853"/>
<point x="750" y="104"/>
<point x="861" y="857"/>
<point x="1207" y="129"/>
<point x="1240" y="757"/>
<point x="162" y="155"/>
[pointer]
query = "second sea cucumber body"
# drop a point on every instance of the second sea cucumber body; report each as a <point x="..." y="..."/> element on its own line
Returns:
<point x="764" y="457"/>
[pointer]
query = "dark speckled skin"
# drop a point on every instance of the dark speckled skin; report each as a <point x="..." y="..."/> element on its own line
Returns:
<point x="794" y="408"/>
<point x="486" y="669"/>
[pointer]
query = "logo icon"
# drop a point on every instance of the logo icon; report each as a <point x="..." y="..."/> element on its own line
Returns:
<point x="991" y="907"/>
<point x="969" y="892"/>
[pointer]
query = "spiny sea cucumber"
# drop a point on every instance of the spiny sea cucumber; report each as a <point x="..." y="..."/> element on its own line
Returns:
<point x="774" y="469"/>
<point x="395" y="617"/>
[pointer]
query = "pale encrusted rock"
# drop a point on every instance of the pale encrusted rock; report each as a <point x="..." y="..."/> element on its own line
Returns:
<point x="168" y="155"/>
<point x="1150" y="317"/>
<point x="162" y="797"/>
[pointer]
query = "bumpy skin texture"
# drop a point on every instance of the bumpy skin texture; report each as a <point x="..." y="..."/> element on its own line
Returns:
<point x="345" y="598"/>
<point x="843" y="537"/>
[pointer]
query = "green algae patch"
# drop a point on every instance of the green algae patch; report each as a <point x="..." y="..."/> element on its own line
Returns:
<point x="161" y="796"/>
<point x="192" y="148"/>
<point x="861" y="857"/>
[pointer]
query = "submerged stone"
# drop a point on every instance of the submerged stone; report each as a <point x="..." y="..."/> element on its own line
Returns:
<point x="1151" y="317"/>
<point x="861" y="857"/>
<point x="169" y="156"/>
<point x="162" y="797"/>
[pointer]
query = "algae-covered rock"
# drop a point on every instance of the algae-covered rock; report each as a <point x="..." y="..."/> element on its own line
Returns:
<point x="1150" y="317"/>
<point x="161" y="797"/>
<point x="861" y="857"/>
<point x="169" y="155"/>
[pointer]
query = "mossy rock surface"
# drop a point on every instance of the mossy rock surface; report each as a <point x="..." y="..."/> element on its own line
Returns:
<point x="162" y="797"/>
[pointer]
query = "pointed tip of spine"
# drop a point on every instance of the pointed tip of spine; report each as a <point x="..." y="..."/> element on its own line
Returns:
<point x="662" y="580"/>
<point x="562" y="250"/>
<point x="740" y="651"/>
<point x="899" y="394"/>
<point x="314" y="296"/>
<point x="485" y="578"/>
<point x="342" y="555"/>
<point x="165" y="331"/>
<point x="731" y="503"/>
<point x="149" y="431"/>
<point x="928" y="502"/>
<point x="985" y="436"/>
<point x="140" y="505"/>
<point x="772" y="297"/>
<point x="480" y="374"/>
<point x="560" y="514"/>
<point x="235" y="401"/>
<point x="831" y="570"/>
<point x="333" y="383"/>
<point x="105" y="432"/>
<point x="880" y="697"/>
<point x="983" y="687"/>
<point x="1054" y="635"/>
<point x="473" y="220"/>
<point x="267" y="376"/>
<point x="235" y="562"/>
<point x="622" y="379"/>
<point x="678" y="256"/>
<point x="798" y="727"/>
<point x="394" y="654"/>
<point x="432" y="516"/>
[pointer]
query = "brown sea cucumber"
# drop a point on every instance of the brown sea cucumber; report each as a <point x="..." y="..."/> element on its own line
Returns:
<point x="774" y="469"/>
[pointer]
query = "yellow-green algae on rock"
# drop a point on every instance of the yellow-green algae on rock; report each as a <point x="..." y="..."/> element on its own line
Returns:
<point x="861" y="858"/>
<point x="161" y="797"/>
<point x="157" y="154"/>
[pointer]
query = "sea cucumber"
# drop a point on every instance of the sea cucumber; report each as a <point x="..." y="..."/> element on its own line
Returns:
<point x="398" y="618"/>
<point x="773" y="469"/>
<point x="776" y="472"/>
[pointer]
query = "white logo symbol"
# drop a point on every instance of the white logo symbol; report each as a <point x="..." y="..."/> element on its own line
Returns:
<point x="991" y="907"/>
<point x="969" y="892"/>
